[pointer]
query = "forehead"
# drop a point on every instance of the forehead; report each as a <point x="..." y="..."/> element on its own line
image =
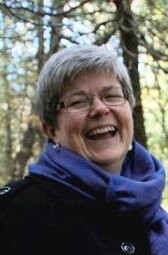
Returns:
<point x="92" y="82"/>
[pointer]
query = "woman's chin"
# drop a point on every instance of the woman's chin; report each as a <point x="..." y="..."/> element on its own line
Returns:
<point x="108" y="159"/>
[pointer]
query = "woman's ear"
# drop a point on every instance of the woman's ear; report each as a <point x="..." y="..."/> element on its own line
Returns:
<point x="48" y="130"/>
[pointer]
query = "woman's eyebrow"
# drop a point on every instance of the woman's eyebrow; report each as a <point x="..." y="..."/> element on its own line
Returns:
<point x="111" y="87"/>
<point x="83" y="92"/>
<point x="76" y="93"/>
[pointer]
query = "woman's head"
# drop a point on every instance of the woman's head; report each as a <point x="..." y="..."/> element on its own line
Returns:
<point x="85" y="102"/>
<point x="63" y="67"/>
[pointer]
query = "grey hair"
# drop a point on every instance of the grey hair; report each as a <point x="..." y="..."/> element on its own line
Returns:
<point x="62" y="67"/>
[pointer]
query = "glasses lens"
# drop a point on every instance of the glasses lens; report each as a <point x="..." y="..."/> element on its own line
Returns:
<point x="112" y="101"/>
<point x="77" y="103"/>
<point x="113" y="97"/>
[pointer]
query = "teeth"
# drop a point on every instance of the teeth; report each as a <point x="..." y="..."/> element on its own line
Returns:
<point x="102" y="130"/>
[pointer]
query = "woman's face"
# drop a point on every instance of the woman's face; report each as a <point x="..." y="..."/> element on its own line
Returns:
<point x="100" y="134"/>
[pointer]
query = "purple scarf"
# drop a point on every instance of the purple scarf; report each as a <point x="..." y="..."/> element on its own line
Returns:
<point x="138" y="188"/>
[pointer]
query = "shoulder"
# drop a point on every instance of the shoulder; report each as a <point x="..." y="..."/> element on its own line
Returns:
<point x="21" y="193"/>
<point x="30" y="194"/>
<point x="12" y="187"/>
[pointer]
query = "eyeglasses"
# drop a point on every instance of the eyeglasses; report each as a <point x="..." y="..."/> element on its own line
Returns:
<point x="83" y="102"/>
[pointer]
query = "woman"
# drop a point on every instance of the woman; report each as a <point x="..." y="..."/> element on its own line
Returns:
<point x="94" y="190"/>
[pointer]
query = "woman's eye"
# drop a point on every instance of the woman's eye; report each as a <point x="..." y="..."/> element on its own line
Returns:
<point x="112" y="96"/>
<point x="77" y="102"/>
<point x="74" y="102"/>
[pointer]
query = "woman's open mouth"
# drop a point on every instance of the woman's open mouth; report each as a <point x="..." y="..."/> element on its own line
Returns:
<point x="102" y="132"/>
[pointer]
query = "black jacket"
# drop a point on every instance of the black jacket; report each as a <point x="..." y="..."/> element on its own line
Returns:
<point x="38" y="216"/>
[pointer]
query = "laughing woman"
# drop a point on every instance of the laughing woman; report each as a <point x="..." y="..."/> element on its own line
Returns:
<point x="94" y="190"/>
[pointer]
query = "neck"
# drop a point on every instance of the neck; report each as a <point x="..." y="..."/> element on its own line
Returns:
<point x="114" y="168"/>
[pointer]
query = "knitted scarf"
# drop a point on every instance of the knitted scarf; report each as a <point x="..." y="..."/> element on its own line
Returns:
<point x="138" y="188"/>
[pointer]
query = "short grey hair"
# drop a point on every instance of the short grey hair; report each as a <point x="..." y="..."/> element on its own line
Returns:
<point x="62" y="67"/>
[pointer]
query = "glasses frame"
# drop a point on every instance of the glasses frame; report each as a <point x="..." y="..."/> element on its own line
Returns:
<point x="90" y="98"/>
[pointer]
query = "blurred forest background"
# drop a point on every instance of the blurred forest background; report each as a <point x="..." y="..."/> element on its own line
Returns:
<point x="30" y="31"/>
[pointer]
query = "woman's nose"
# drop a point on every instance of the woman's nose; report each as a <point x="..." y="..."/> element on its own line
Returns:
<point x="98" y="107"/>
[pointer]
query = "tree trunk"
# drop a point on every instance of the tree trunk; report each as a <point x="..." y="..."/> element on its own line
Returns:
<point x="129" y="44"/>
